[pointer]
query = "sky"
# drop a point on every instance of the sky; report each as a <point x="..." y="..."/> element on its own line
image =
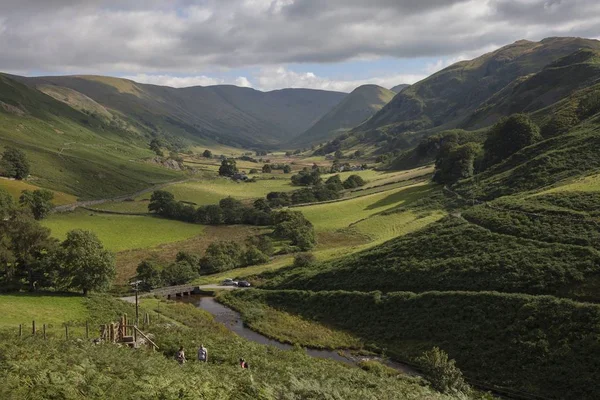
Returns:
<point x="273" y="44"/>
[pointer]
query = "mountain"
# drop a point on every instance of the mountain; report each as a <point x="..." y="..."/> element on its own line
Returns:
<point x="227" y="114"/>
<point x="358" y="106"/>
<point x="399" y="88"/>
<point x="446" y="98"/>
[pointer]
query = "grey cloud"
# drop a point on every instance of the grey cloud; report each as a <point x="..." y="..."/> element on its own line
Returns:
<point x="185" y="36"/>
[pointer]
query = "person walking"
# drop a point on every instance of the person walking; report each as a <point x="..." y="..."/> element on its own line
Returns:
<point x="180" y="356"/>
<point x="202" y="354"/>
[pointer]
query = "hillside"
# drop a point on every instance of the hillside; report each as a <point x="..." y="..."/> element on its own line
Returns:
<point x="75" y="152"/>
<point x="516" y="259"/>
<point x="228" y="114"/>
<point x="399" y="88"/>
<point x="448" y="96"/>
<point x="522" y="77"/>
<point x="358" y="106"/>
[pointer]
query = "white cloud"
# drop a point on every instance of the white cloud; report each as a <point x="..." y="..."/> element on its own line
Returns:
<point x="186" y="81"/>
<point x="186" y="37"/>
<point x="272" y="78"/>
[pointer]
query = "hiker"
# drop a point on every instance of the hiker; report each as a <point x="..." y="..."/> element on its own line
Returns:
<point x="180" y="356"/>
<point x="244" y="364"/>
<point x="202" y="354"/>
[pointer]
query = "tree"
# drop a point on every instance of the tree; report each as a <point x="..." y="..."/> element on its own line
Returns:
<point x="87" y="265"/>
<point x="253" y="256"/>
<point x="155" y="145"/>
<point x="303" y="196"/>
<point x="39" y="202"/>
<point x="150" y="273"/>
<point x="287" y="169"/>
<point x="221" y="256"/>
<point x="266" y="169"/>
<point x="27" y="251"/>
<point x="228" y="167"/>
<point x="161" y="202"/>
<point x="334" y="183"/>
<point x="338" y="154"/>
<point x="263" y="243"/>
<point x="292" y="225"/>
<point x="14" y="163"/>
<point x="456" y="163"/>
<point x="442" y="373"/>
<point x="278" y="199"/>
<point x="7" y="204"/>
<point x="207" y="154"/>
<point x="178" y="273"/>
<point x="509" y="136"/>
<point x="307" y="177"/>
<point x="354" y="181"/>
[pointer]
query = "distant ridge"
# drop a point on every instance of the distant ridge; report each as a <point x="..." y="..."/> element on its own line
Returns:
<point x="357" y="107"/>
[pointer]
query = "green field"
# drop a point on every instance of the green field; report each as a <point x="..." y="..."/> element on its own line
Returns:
<point x="338" y="215"/>
<point x="44" y="309"/>
<point x="210" y="191"/>
<point x="119" y="232"/>
<point x="15" y="188"/>
<point x="584" y="184"/>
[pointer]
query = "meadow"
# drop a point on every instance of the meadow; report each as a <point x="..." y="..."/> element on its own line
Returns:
<point x="15" y="188"/>
<point x="123" y="232"/>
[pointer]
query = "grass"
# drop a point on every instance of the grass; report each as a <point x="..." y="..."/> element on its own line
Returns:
<point x="119" y="233"/>
<point x="289" y="328"/>
<point x="339" y="215"/>
<point x="18" y="309"/>
<point x="15" y="188"/>
<point x="212" y="190"/>
<point x="381" y="228"/>
<point x="583" y="184"/>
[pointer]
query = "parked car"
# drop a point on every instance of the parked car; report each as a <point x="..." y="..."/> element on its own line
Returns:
<point x="244" y="284"/>
<point x="229" y="282"/>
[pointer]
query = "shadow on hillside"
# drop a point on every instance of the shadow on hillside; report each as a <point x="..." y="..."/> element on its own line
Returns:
<point x="406" y="196"/>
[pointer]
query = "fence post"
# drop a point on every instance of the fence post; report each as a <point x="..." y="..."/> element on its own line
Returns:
<point x="20" y="330"/>
<point x="44" y="329"/>
<point x="66" y="332"/>
<point x="33" y="327"/>
<point x="87" y="330"/>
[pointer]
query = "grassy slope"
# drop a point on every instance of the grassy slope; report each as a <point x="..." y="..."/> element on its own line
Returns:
<point x="232" y="115"/>
<point x="536" y="344"/>
<point x="358" y="106"/>
<point x="34" y="368"/>
<point x="453" y="93"/>
<point x="119" y="233"/>
<point x="15" y="188"/>
<point x="72" y="152"/>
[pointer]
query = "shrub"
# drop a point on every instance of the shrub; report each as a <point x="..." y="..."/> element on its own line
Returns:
<point x="442" y="373"/>
<point x="207" y="154"/>
<point x="253" y="256"/>
<point x="304" y="260"/>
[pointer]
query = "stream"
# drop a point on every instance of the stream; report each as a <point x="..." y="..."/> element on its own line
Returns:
<point x="233" y="321"/>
